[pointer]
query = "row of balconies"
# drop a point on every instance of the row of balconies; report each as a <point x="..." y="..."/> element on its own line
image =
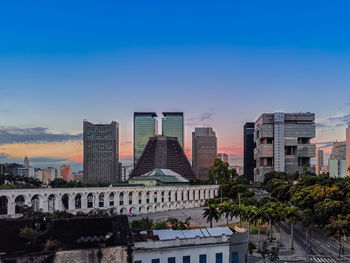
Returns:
<point x="302" y="150"/>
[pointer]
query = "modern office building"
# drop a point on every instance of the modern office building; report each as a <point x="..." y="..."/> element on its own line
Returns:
<point x="249" y="163"/>
<point x="164" y="153"/>
<point x="206" y="245"/>
<point x="283" y="143"/>
<point x="319" y="161"/>
<point x="145" y="126"/>
<point x="348" y="151"/>
<point x="223" y="157"/>
<point x="173" y="126"/>
<point x="204" y="151"/>
<point x="337" y="160"/>
<point x="101" y="152"/>
<point x="66" y="172"/>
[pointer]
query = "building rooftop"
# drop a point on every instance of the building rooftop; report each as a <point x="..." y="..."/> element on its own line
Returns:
<point x="162" y="175"/>
<point x="169" y="234"/>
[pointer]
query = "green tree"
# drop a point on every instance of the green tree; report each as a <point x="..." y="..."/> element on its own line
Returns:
<point x="338" y="227"/>
<point x="211" y="213"/>
<point x="225" y="209"/>
<point x="293" y="216"/>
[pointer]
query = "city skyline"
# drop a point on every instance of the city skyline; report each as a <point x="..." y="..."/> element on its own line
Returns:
<point x="220" y="72"/>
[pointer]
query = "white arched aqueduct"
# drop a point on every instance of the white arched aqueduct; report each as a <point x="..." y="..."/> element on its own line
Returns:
<point x="135" y="199"/>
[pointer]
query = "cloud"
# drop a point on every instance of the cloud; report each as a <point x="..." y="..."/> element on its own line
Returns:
<point x="334" y="121"/>
<point x="9" y="135"/>
<point x="207" y="116"/>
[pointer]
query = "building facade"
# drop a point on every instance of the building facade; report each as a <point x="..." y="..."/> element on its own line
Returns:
<point x="26" y="171"/>
<point x="337" y="160"/>
<point x="319" y="161"/>
<point x="135" y="199"/>
<point x="283" y="143"/>
<point x="173" y="126"/>
<point x="48" y="174"/>
<point x="348" y="151"/>
<point x="223" y="157"/>
<point x="145" y="126"/>
<point x="101" y="152"/>
<point x="66" y="173"/>
<point x="164" y="153"/>
<point x="207" y="245"/>
<point x="249" y="146"/>
<point x="204" y="151"/>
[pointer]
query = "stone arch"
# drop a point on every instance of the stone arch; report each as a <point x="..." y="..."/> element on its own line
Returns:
<point x="111" y="199"/>
<point x="162" y="196"/>
<point x="121" y="198"/>
<point x="101" y="200"/>
<point x="90" y="200"/>
<point x="182" y="195"/>
<point x="149" y="209"/>
<point x="123" y="211"/>
<point x="3" y="205"/>
<point x="130" y="197"/>
<point x="158" y="208"/>
<point x="165" y="207"/>
<point x="19" y="204"/>
<point x="176" y="196"/>
<point x="142" y="209"/>
<point x="51" y="203"/>
<point x="35" y="202"/>
<point x="77" y="201"/>
<point x="65" y="202"/>
<point x="148" y="196"/>
<point x="140" y="197"/>
<point x="193" y="194"/>
<point x="169" y="196"/>
<point x="155" y="197"/>
<point x="132" y="210"/>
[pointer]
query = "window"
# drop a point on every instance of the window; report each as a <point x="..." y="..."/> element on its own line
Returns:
<point x="202" y="258"/>
<point x="138" y="261"/>
<point x="234" y="257"/>
<point x="171" y="260"/>
<point x="155" y="260"/>
<point x="186" y="259"/>
<point x="218" y="257"/>
<point x="246" y="258"/>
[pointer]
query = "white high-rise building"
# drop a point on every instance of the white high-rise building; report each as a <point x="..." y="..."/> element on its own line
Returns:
<point x="337" y="160"/>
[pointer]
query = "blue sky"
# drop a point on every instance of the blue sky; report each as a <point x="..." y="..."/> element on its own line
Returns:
<point x="221" y="63"/>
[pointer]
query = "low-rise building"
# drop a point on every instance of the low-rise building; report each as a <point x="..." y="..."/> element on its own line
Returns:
<point x="26" y="171"/>
<point x="209" y="245"/>
<point x="159" y="177"/>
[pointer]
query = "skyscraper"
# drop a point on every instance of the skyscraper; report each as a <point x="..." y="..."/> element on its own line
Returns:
<point x="319" y="161"/>
<point x="337" y="160"/>
<point x="204" y="151"/>
<point x="173" y="126"/>
<point x="101" y="152"/>
<point x="249" y="145"/>
<point x="348" y="150"/>
<point x="145" y="126"/>
<point x="283" y="143"/>
<point x="66" y="172"/>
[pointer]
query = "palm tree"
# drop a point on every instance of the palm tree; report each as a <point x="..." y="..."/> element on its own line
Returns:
<point x="271" y="209"/>
<point x="211" y="213"/>
<point x="293" y="216"/>
<point x="261" y="218"/>
<point x="225" y="209"/>
<point x="249" y="214"/>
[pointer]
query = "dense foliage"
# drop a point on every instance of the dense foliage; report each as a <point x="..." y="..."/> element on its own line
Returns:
<point x="8" y="181"/>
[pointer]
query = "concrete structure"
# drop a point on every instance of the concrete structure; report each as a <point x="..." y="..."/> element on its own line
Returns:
<point x="204" y="151"/>
<point x="338" y="151"/>
<point x="126" y="171"/>
<point x="173" y="126"/>
<point x="135" y="199"/>
<point x="66" y="173"/>
<point x="159" y="177"/>
<point x="319" y="161"/>
<point x="208" y="245"/>
<point x="283" y="143"/>
<point x="101" y="152"/>
<point x="223" y="157"/>
<point x="348" y="151"/>
<point x="145" y="126"/>
<point x="249" y="163"/>
<point x="78" y="176"/>
<point x="164" y="153"/>
<point x="337" y="168"/>
<point x="48" y="174"/>
<point x="26" y="171"/>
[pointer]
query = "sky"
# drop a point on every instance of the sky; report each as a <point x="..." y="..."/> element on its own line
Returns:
<point x="221" y="63"/>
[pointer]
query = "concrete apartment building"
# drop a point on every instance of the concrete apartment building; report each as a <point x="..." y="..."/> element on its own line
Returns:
<point x="283" y="142"/>
<point x="319" y="161"/>
<point x="348" y="151"/>
<point x="66" y="172"/>
<point x="337" y="160"/>
<point x="204" y="151"/>
<point x="101" y="152"/>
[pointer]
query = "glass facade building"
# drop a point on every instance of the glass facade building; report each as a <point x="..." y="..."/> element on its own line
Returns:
<point x="145" y="126"/>
<point x="173" y="126"/>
